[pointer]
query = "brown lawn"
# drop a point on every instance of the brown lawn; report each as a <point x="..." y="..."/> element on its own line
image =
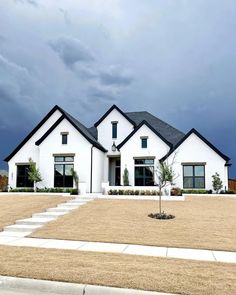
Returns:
<point x="206" y="223"/>
<point x="18" y="207"/>
<point x="119" y="270"/>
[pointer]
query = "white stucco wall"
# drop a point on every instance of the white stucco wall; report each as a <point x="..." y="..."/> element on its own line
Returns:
<point x="77" y="144"/>
<point x="193" y="149"/>
<point x="98" y="170"/>
<point x="156" y="148"/>
<point x="124" y="127"/>
<point x="30" y="149"/>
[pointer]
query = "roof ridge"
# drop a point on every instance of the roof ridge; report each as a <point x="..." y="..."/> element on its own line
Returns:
<point x="164" y="122"/>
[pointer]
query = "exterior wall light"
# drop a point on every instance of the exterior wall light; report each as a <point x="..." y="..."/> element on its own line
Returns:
<point x="113" y="147"/>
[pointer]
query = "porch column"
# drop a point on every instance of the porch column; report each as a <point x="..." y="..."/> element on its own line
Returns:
<point x="106" y="169"/>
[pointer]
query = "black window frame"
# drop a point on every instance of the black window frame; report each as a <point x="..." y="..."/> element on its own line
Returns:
<point x="114" y="129"/>
<point x="145" y="166"/>
<point x="144" y="142"/>
<point x="63" y="160"/>
<point x="194" y="177"/>
<point x="64" y="177"/>
<point x="22" y="180"/>
<point x="64" y="138"/>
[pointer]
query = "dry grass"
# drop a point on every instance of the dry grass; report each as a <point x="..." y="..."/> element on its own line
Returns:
<point x="206" y="223"/>
<point x="119" y="270"/>
<point x="18" y="207"/>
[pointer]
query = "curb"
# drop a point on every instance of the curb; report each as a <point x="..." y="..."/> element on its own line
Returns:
<point x="67" y="288"/>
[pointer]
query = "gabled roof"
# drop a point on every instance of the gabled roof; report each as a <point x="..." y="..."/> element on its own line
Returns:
<point x="114" y="107"/>
<point x="40" y="124"/>
<point x="137" y="128"/>
<point x="170" y="133"/>
<point x="79" y="126"/>
<point x="194" y="131"/>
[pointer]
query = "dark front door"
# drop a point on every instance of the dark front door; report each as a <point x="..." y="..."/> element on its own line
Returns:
<point x="117" y="172"/>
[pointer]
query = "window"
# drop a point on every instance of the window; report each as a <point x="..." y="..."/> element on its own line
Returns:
<point x="64" y="138"/>
<point x="144" y="142"/>
<point x="144" y="172"/>
<point x="114" y="129"/>
<point x="193" y="176"/>
<point x="64" y="159"/>
<point x="22" y="178"/>
<point x="63" y="171"/>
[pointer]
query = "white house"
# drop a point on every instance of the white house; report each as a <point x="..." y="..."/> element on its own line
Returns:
<point x="137" y="141"/>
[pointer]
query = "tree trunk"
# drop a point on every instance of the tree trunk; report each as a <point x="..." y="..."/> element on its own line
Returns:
<point x="34" y="186"/>
<point x="160" y="201"/>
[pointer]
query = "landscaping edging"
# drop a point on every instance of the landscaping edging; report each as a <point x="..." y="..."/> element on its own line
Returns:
<point x="139" y="197"/>
<point x="68" y="288"/>
<point x="211" y="195"/>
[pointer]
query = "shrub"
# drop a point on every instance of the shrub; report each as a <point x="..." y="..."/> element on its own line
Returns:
<point x="194" y="191"/>
<point x="126" y="177"/>
<point x="134" y="192"/>
<point x="176" y="191"/>
<point x="228" y="192"/>
<point x="21" y="190"/>
<point x="217" y="182"/>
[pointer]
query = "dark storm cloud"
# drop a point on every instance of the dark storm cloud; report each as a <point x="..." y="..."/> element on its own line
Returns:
<point x="176" y="59"/>
<point x="15" y="85"/>
<point x="71" y="50"/>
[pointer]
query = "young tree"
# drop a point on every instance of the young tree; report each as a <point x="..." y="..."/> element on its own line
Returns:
<point x="217" y="182"/>
<point x="34" y="174"/>
<point x="165" y="175"/>
<point x="76" y="179"/>
<point x="126" y="177"/>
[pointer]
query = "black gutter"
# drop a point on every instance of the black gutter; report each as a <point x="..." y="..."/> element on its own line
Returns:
<point x="91" y="170"/>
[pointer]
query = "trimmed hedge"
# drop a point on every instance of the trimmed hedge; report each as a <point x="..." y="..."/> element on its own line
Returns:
<point x="121" y="192"/>
<point x="71" y="191"/>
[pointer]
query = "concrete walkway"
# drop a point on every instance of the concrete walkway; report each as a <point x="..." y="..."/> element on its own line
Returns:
<point x="182" y="253"/>
<point x="25" y="227"/>
<point x="20" y="286"/>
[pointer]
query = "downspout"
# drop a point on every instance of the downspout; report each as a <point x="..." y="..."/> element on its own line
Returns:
<point x="91" y="170"/>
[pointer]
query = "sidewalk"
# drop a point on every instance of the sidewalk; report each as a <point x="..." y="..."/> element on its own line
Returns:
<point x="18" y="286"/>
<point x="182" y="253"/>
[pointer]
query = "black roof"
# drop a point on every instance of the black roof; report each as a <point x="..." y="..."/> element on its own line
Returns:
<point x="84" y="130"/>
<point x="137" y="128"/>
<point x="194" y="131"/>
<point x="171" y="134"/>
<point x="79" y="126"/>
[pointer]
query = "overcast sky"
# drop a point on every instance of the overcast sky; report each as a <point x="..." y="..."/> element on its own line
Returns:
<point x="174" y="58"/>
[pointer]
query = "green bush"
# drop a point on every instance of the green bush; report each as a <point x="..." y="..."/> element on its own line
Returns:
<point x="133" y="192"/>
<point x="21" y="190"/>
<point x="195" y="191"/>
<point x="71" y="191"/>
<point x="228" y="192"/>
